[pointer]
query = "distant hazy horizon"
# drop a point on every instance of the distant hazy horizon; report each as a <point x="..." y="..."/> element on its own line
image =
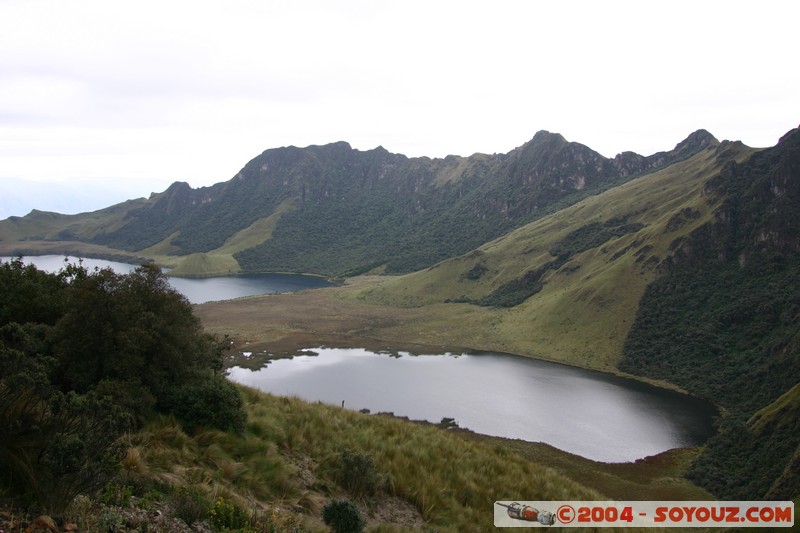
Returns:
<point x="18" y="196"/>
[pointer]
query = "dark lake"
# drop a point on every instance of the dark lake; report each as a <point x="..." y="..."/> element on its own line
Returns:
<point x="592" y="414"/>
<point x="198" y="290"/>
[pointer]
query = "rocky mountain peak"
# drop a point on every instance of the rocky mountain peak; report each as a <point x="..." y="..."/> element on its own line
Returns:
<point x="544" y="137"/>
<point x="696" y="141"/>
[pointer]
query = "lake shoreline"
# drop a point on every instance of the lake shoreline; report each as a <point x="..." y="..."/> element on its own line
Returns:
<point x="196" y="289"/>
<point x="295" y="345"/>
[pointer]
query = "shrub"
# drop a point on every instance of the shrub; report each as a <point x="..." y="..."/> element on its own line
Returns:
<point x="55" y="446"/>
<point x="110" y="520"/>
<point x="82" y="512"/>
<point x="116" y="494"/>
<point x="343" y="517"/>
<point x="227" y="515"/>
<point x="357" y="473"/>
<point x="190" y="504"/>
<point x="209" y="402"/>
<point x="83" y="358"/>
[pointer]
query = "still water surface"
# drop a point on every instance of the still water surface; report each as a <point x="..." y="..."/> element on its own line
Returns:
<point x="197" y="290"/>
<point x="592" y="414"/>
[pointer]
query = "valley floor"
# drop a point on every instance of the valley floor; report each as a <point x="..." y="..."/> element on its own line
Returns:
<point x="282" y="324"/>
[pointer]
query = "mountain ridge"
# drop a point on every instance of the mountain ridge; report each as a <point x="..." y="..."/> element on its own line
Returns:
<point x="390" y="211"/>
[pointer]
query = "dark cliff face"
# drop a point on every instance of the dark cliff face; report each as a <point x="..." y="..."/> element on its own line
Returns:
<point x="764" y="200"/>
<point x="551" y="162"/>
<point x="759" y="213"/>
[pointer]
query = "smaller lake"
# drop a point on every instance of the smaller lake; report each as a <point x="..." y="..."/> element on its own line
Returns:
<point x="592" y="414"/>
<point x="197" y="290"/>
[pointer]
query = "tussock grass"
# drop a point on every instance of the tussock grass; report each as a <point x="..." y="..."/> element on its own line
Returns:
<point x="246" y="469"/>
<point x="453" y="483"/>
<point x="288" y="458"/>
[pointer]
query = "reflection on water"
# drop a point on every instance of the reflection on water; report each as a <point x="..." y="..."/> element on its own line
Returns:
<point x="591" y="414"/>
<point x="196" y="290"/>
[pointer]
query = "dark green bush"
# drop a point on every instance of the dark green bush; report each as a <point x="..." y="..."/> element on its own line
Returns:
<point x="343" y="517"/>
<point x="116" y="494"/>
<point x="209" y="402"/>
<point x="357" y="473"/>
<point x="56" y="445"/>
<point x="83" y="358"/>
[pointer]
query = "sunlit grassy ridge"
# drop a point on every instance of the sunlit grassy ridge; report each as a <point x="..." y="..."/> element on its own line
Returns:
<point x="44" y="225"/>
<point x="786" y="403"/>
<point x="258" y="232"/>
<point x="53" y="233"/>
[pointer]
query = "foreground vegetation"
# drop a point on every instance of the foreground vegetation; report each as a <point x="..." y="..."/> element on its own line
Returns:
<point x="86" y="357"/>
<point x="294" y="458"/>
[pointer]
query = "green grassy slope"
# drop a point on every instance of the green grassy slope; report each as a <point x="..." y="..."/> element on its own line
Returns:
<point x="595" y="258"/>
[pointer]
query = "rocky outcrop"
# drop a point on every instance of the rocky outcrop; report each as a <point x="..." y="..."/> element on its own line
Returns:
<point x="757" y="215"/>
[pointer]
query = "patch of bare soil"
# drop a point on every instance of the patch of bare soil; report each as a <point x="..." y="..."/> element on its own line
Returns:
<point x="393" y="510"/>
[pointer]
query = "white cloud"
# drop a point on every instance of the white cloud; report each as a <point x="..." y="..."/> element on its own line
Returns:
<point x="192" y="90"/>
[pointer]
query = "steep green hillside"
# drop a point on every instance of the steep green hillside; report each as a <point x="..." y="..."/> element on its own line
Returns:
<point x="567" y="287"/>
<point x="724" y="322"/>
<point x="689" y="275"/>
<point x="337" y="211"/>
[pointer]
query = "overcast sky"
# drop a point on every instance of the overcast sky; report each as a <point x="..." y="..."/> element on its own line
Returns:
<point x="130" y="96"/>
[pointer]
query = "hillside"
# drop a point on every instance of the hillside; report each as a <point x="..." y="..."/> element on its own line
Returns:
<point x="724" y="322"/>
<point x="686" y="275"/>
<point x="334" y="210"/>
<point x="567" y="286"/>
